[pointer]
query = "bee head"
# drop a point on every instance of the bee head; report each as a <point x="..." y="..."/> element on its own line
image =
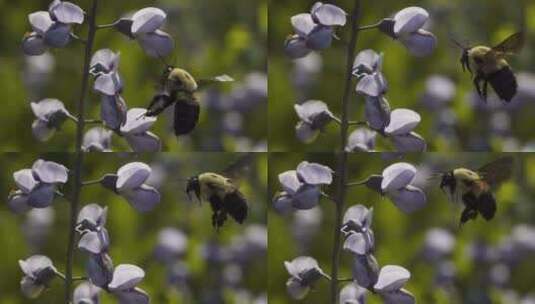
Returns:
<point x="195" y="186"/>
<point x="181" y="80"/>
<point x="448" y="181"/>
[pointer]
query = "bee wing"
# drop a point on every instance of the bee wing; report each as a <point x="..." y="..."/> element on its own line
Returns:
<point x="235" y="170"/>
<point x="498" y="171"/>
<point x="511" y="44"/>
<point x="203" y="83"/>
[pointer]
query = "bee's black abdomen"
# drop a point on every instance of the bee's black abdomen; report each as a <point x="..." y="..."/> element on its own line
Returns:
<point x="504" y="83"/>
<point x="236" y="205"/>
<point x="486" y="205"/>
<point x="186" y="116"/>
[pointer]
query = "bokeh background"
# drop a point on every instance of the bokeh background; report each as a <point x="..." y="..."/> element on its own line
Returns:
<point x="212" y="38"/>
<point x="482" y="262"/>
<point x="228" y="266"/>
<point x="453" y="119"/>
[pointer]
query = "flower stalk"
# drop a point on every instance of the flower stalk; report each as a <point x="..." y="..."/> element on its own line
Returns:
<point x="341" y="171"/>
<point x="80" y="123"/>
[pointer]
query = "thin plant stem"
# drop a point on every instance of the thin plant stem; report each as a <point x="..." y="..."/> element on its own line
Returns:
<point x="79" y="153"/>
<point x="369" y="27"/>
<point x="341" y="168"/>
<point x="359" y="183"/>
<point x="92" y="182"/>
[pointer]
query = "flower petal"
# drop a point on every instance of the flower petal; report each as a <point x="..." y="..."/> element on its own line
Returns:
<point x="408" y="199"/>
<point x="320" y="38"/>
<point x="86" y="293"/>
<point x="305" y="133"/>
<point x="290" y="182"/>
<point x="50" y="172"/>
<point x="311" y="108"/>
<point x="329" y="15"/>
<point x="402" y="121"/>
<point x="126" y="276"/>
<point x="132" y="175"/>
<point x="365" y="270"/>
<point x="373" y="85"/>
<point x="397" y="176"/>
<point x="143" y="198"/>
<point x="410" y="19"/>
<point x="307" y="197"/>
<point x="377" y="112"/>
<point x="100" y="269"/>
<point x="300" y="264"/>
<point x="133" y="296"/>
<point x="18" y="202"/>
<point x="314" y="174"/>
<point x="137" y="122"/>
<point x="95" y="242"/>
<point x="40" y="22"/>
<point x="58" y="35"/>
<point x="411" y="142"/>
<point x="48" y="108"/>
<point x="366" y="62"/>
<point x="144" y="142"/>
<point x="42" y="196"/>
<point x="303" y="24"/>
<point x="108" y="83"/>
<point x="356" y="243"/>
<point x="33" y="44"/>
<point x="295" y="289"/>
<point x="92" y="216"/>
<point x="67" y="12"/>
<point x="147" y="20"/>
<point x="401" y="296"/>
<point x="104" y="60"/>
<point x="352" y="293"/>
<point x="25" y="180"/>
<point x="359" y="215"/>
<point x="156" y="44"/>
<point x="420" y="44"/>
<point x="113" y="111"/>
<point x="295" y="47"/>
<point x="391" y="278"/>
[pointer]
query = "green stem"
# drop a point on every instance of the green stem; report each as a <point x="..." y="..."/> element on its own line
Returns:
<point x="79" y="153"/>
<point x="341" y="168"/>
<point x="369" y="27"/>
<point x="359" y="183"/>
<point x="92" y="182"/>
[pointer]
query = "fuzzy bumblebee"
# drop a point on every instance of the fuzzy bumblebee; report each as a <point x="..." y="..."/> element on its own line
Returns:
<point x="489" y="65"/>
<point x="179" y="87"/>
<point x="224" y="197"/>
<point x="475" y="187"/>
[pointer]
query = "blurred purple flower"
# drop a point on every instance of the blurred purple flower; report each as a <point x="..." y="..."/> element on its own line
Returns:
<point x="438" y="244"/>
<point x="37" y="226"/>
<point x="304" y="272"/>
<point x="439" y="91"/>
<point x="38" y="273"/>
<point x="171" y="245"/>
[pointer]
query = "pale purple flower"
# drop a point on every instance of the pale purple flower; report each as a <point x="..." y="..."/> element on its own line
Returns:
<point x="408" y="30"/>
<point x="123" y="284"/>
<point x="396" y="185"/>
<point x="314" y="30"/>
<point x="38" y="273"/>
<point x="402" y="122"/>
<point x="130" y="184"/>
<point x="361" y="140"/>
<point x="390" y="282"/>
<point x="97" y="139"/>
<point x="365" y="270"/>
<point x="51" y="28"/>
<point x="304" y="272"/>
<point x="94" y="237"/>
<point x="367" y="66"/>
<point x="50" y="114"/>
<point x="100" y="269"/>
<point x="439" y="91"/>
<point x="314" y="116"/>
<point x="352" y="293"/>
<point x="37" y="186"/>
<point x="113" y="111"/>
<point x="136" y="131"/>
<point x="86" y="293"/>
<point x="438" y="244"/>
<point x="105" y="67"/>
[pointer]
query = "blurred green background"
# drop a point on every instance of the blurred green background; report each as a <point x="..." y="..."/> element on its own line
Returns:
<point x="462" y="124"/>
<point x="133" y="235"/>
<point x="212" y="38"/>
<point x="400" y="237"/>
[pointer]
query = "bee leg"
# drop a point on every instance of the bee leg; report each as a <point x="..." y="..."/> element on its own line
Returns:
<point x="485" y="89"/>
<point x="468" y="214"/>
<point x="477" y="81"/>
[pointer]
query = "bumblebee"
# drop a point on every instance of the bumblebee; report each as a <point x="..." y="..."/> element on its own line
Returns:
<point x="488" y="65"/>
<point x="224" y="197"/>
<point x="180" y="88"/>
<point x="475" y="187"/>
